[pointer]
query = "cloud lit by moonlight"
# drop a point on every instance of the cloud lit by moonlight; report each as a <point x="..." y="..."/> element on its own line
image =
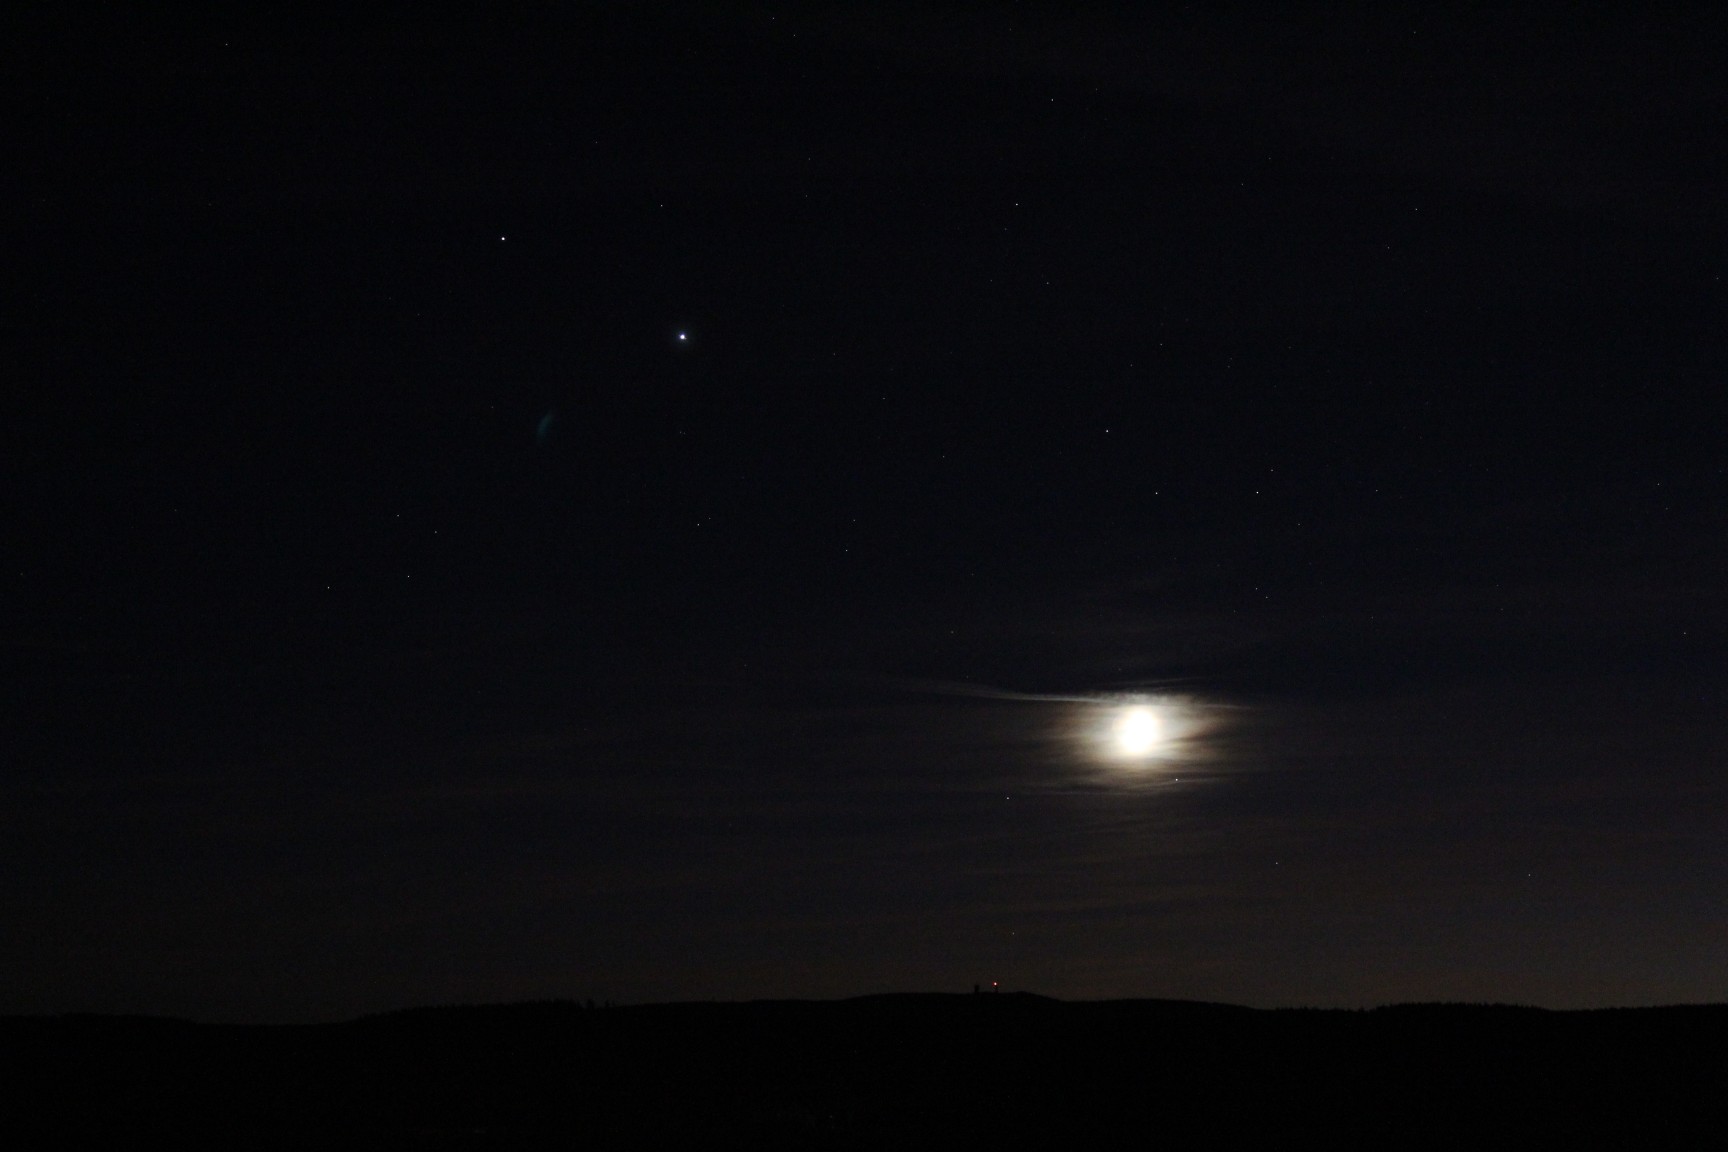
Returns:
<point x="1126" y="734"/>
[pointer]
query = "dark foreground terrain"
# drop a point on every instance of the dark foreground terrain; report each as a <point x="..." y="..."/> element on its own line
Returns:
<point x="879" y="1072"/>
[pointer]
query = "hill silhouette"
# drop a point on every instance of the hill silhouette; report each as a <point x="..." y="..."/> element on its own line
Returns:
<point x="902" y="1071"/>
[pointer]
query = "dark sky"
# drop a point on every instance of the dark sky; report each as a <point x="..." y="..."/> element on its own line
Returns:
<point x="656" y="502"/>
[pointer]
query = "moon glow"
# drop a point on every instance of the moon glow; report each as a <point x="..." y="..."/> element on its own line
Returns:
<point x="1138" y="732"/>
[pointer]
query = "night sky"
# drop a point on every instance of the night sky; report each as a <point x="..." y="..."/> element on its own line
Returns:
<point x="668" y="502"/>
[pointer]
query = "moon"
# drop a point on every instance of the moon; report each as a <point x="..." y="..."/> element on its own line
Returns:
<point x="1138" y="732"/>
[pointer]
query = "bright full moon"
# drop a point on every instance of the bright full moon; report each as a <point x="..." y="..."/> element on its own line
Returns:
<point x="1138" y="731"/>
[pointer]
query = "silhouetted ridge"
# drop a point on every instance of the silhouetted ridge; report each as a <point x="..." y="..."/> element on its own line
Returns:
<point x="984" y="1070"/>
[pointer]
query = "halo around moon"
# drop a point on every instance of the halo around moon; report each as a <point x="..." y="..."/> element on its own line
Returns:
<point x="1147" y="732"/>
